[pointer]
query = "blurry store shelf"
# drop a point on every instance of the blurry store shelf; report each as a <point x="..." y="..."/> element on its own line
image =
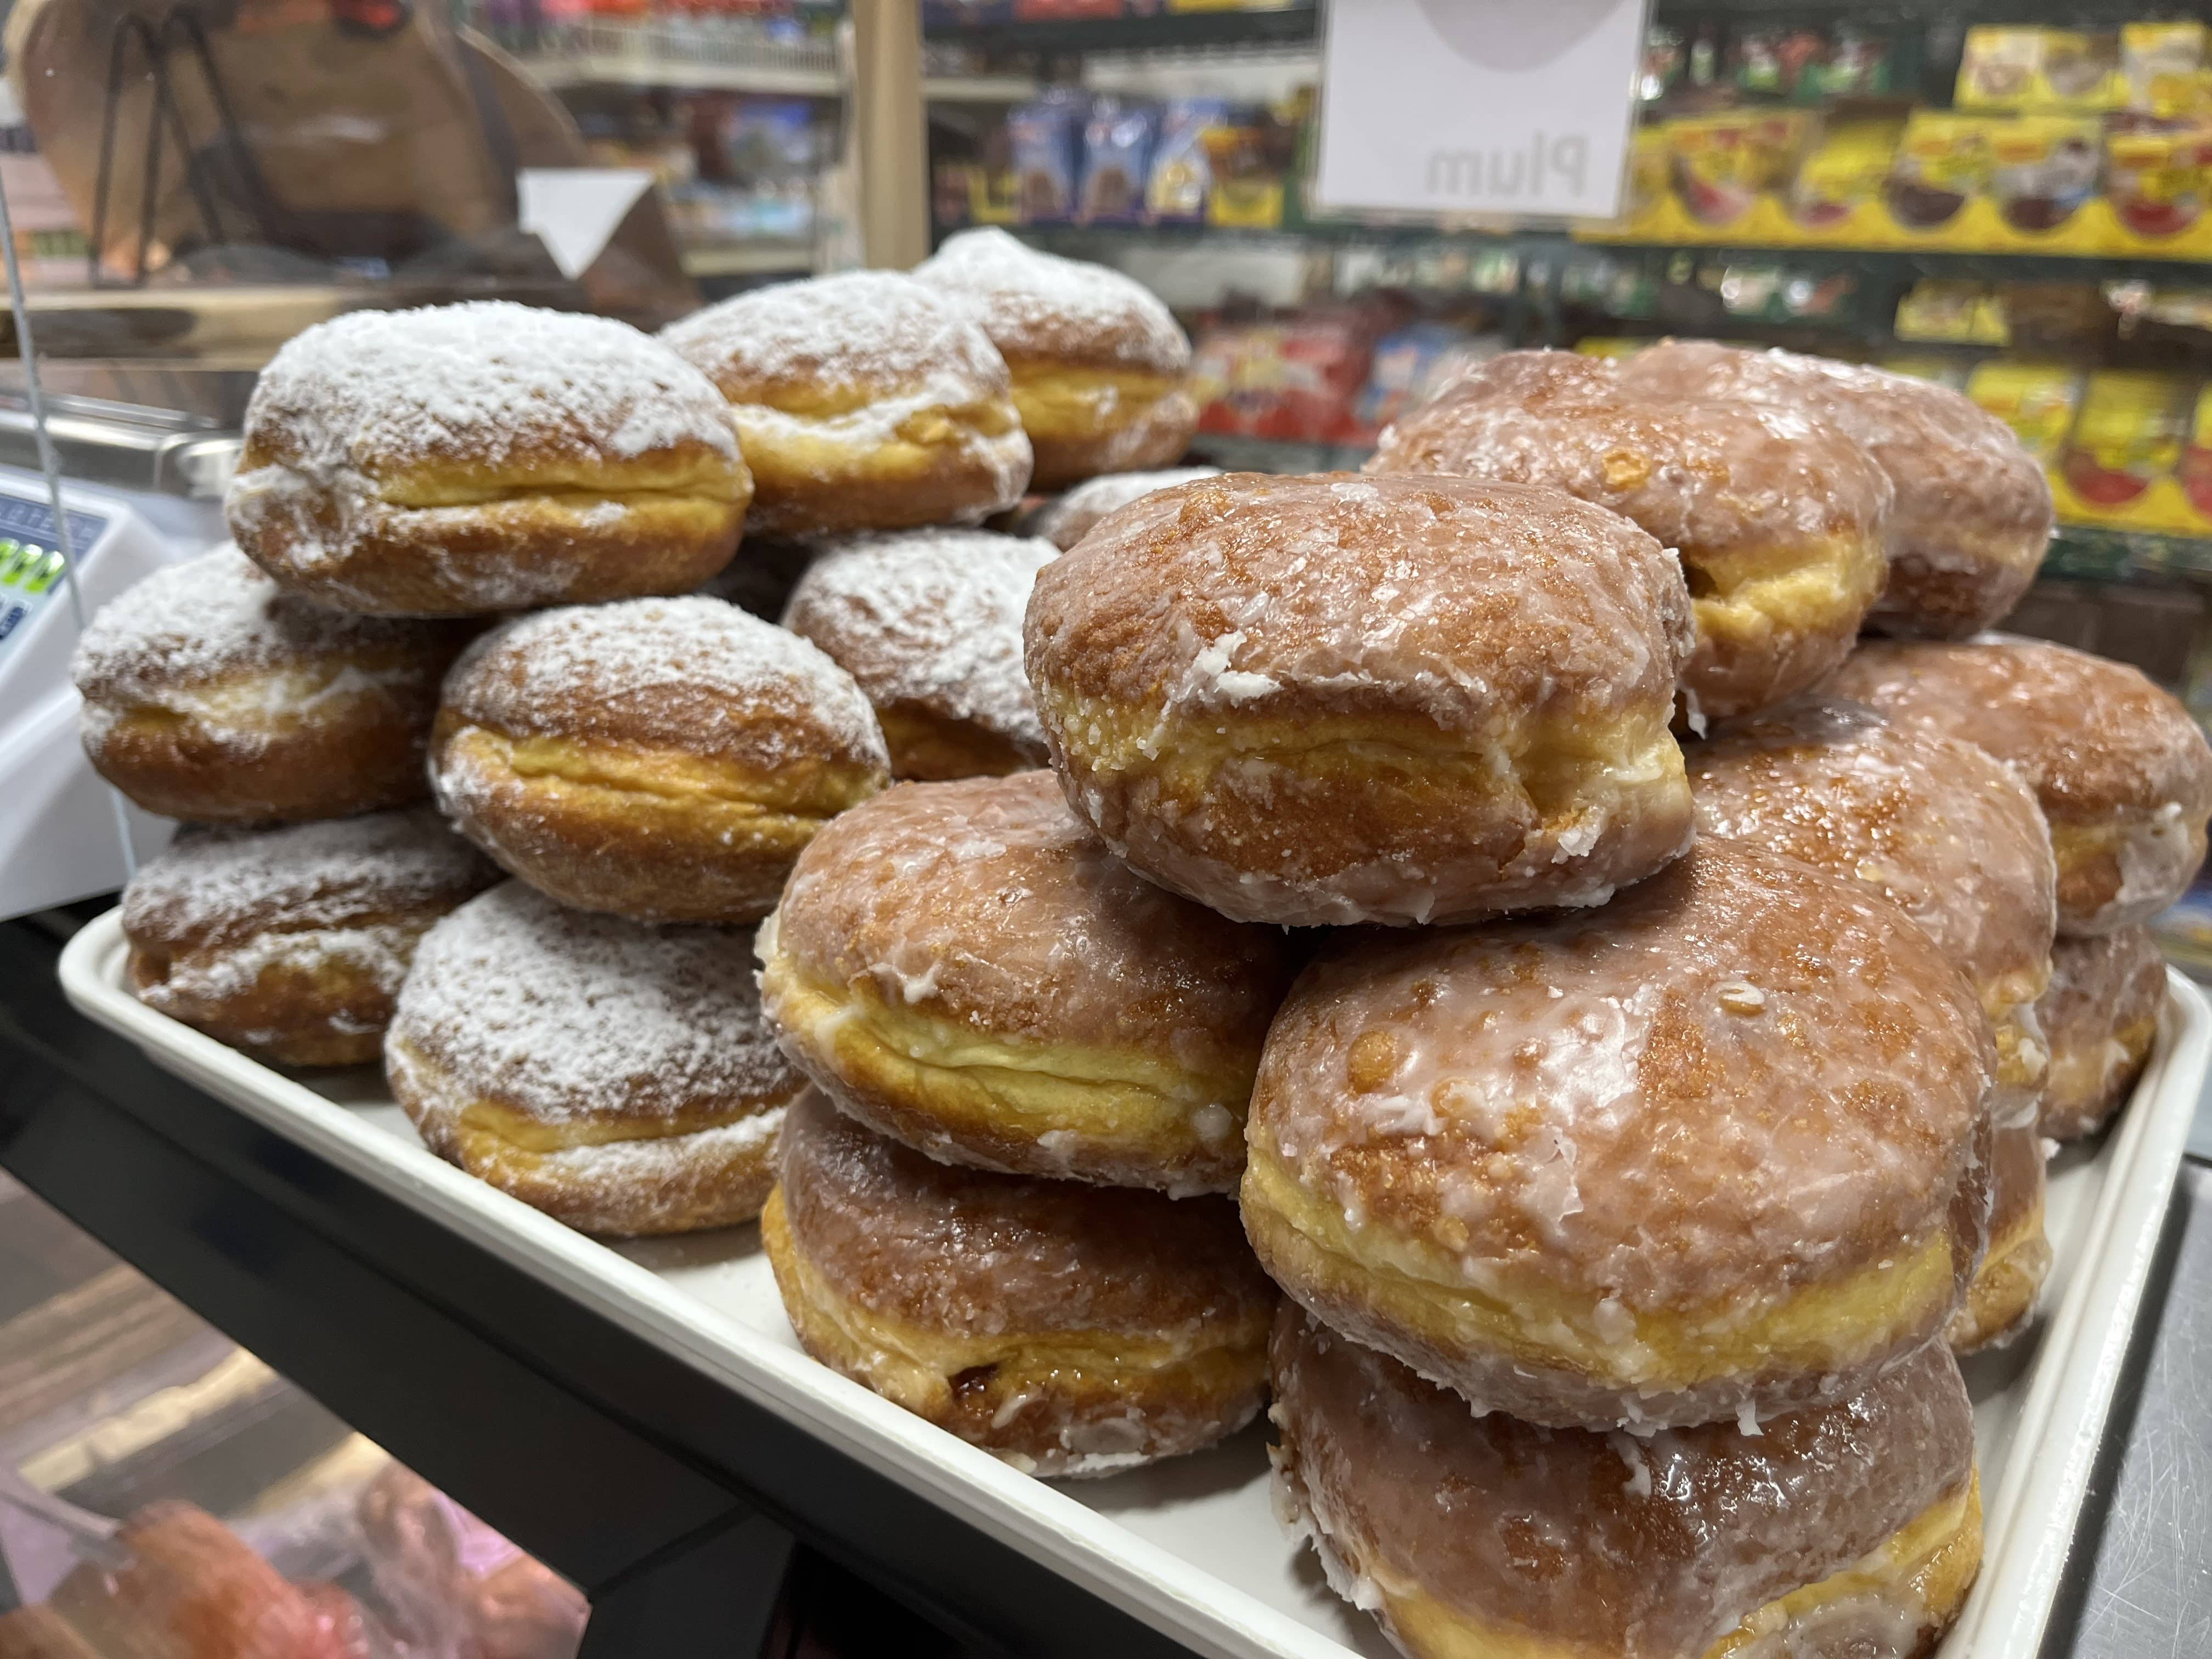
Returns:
<point x="750" y="260"/>
<point x="979" y="89"/>
<point x="1165" y="31"/>
<point x="670" y="54"/>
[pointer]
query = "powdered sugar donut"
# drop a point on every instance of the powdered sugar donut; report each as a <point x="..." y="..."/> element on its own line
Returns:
<point x="1331" y="700"/>
<point x="1099" y="364"/>
<point x="1067" y="520"/>
<point x="1973" y="514"/>
<point x="2101" y="1018"/>
<point x="484" y="456"/>
<point x="1778" y="517"/>
<point x="617" y="1076"/>
<point x="1069" y="1330"/>
<point x="1466" y="1144"/>
<point x="212" y="696"/>
<point x="866" y="400"/>
<point x="2122" y="772"/>
<point x="929" y="622"/>
<point x="291" y="944"/>
<point x="1854" y="1528"/>
<point x="665" y="759"/>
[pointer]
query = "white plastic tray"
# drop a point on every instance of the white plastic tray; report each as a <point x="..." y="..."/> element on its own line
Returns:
<point x="1191" y="1546"/>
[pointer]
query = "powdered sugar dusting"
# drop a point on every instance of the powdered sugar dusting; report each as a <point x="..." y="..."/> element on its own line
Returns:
<point x="218" y="886"/>
<point x="1065" y="521"/>
<point x="376" y="391"/>
<point x="695" y="672"/>
<point x="1038" y="304"/>
<point x="930" y="619"/>
<point x="217" y="614"/>
<point x="873" y="330"/>
<point x="565" y="1015"/>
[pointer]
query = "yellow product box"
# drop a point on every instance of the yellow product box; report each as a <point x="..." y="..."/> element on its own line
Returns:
<point x="1952" y="313"/>
<point x="1837" y="193"/>
<point x="2195" y="471"/>
<point x="2119" y="464"/>
<point x="2036" y="400"/>
<point x="1943" y="161"/>
<point x="2010" y="67"/>
<point x="2167" y="67"/>
<point x="1720" y="165"/>
<point x="2156" y="176"/>
<point x="1609" y="345"/>
<point x="2044" y="170"/>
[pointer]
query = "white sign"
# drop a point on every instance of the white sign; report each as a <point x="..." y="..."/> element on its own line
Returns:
<point x="1521" y="106"/>
<point x="574" y="210"/>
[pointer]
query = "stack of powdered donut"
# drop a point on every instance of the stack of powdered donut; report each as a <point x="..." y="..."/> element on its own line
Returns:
<point x="1622" y="1005"/>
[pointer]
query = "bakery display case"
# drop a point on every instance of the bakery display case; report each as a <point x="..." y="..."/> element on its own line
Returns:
<point x="821" y="840"/>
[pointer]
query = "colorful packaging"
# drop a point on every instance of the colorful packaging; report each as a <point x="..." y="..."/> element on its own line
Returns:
<point x="1247" y="156"/>
<point x="1721" y="162"/>
<point x="1858" y="65"/>
<point x="1942" y="162"/>
<point x="1405" y="362"/>
<point x="1953" y="312"/>
<point x="1048" y="145"/>
<point x="1179" y="180"/>
<point x="2167" y="67"/>
<point x="2009" y="67"/>
<point x="2156" y="174"/>
<point x="2129" y="434"/>
<point x="1775" y="60"/>
<point x="2036" y="400"/>
<point x="1117" y="155"/>
<point x="1846" y="169"/>
<point x="2195" y="465"/>
<point x="2043" y="168"/>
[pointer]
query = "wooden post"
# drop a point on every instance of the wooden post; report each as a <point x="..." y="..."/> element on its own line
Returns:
<point x="890" y="132"/>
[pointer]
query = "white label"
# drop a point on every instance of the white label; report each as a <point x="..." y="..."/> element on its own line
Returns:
<point x="1520" y="106"/>
<point x="575" y="210"/>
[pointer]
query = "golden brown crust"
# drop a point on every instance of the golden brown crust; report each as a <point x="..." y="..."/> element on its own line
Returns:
<point x="1972" y="516"/>
<point x="291" y="944"/>
<point x="619" y="1076"/>
<point x="2099" y="1018"/>
<point x="1073" y="1329"/>
<point x="1559" y="1542"/>
<point x="864" y="401"/>
<point x="211" y="696"/>
<point x="485" y="457"/>
<point x="2123" y="774"/>
<point x="1779" y="518"/>
<point x="963" y="966"/>
<point x="2000" y="1301"/>
<point x="1338" y="699"/>
<point x="664" y="759"/>
<point x="1462" y="1142"/>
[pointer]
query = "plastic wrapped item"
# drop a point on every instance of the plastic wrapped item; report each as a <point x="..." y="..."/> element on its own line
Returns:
<point x="1177" y="190"/>
<point x="2009" y="67"/>
<point x="1117" y="152"/>
<point x="2036" y="400"/>
<point x="2043" y="169"/>
<point x="1844" y="174"/>
<point x="2167" y="68"/>
<point x="2156" y="172"/>
<point x="1047" y="138"/>
<point x="2127" y="435"/>
<point x="1942" y="163"/>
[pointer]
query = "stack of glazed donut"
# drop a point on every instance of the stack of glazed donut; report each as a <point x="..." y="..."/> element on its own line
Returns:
<point x="1477" y="948"/>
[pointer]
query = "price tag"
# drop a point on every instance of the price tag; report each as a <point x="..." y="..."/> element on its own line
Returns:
<point x="1517" y="107"/>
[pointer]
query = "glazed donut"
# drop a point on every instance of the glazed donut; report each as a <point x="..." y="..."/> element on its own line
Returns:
<point x="1779" y="518"/>
<point x="618" y="1077"/>
<point x="484" y="456"/>
<point x="662" y="759"/>
<point x="2099" y="1018"/>
<point x="1854" y="1528"/>
<point x="2123" y="774"/>
<point x="1100" y="366"/>
<point x="1068" y="1330"/>
<point x="210" y="696"/>
<point x="964" y="967"/>
<point x="1716" y="1150"/>
<point x="929" y="624"/>
<point x="1973" y="514"/>
<point x="2000" y="1301"/>
<point x="290" y="944"/>
<point x="865" y="400"/>
<point x="1333" y="699"/>
<point x="1937" y="827"/>
<point x="1065" y="519"/>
